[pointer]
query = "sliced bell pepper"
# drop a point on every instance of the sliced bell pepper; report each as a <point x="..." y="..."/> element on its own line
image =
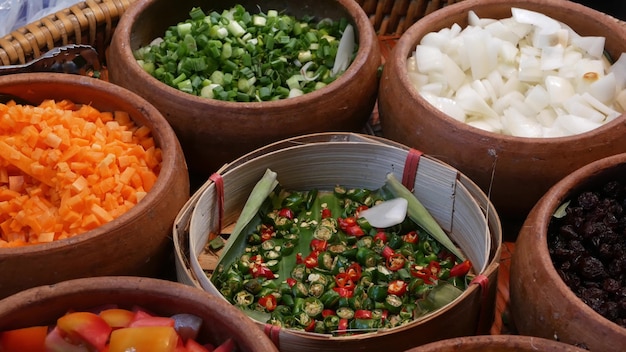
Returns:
<point x="144" y="338"/>
<point x="31" y="339"/>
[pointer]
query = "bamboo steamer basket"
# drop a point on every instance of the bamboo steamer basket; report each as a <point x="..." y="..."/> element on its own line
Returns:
<point x="541" y="303"/>
<point x="497" y="343"/>
<point x="135" y="243"/>
<point x="322" y="161"/>
<point x="45" y="304"/>
<point x="516" y="171"/>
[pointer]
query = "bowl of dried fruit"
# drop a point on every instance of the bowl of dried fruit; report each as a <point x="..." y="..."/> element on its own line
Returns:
<point x="121" y="314"/>
<point x="567" y="269"/>
<point x="232" y="76"/>
<point x="91" y="177"/>
<point x="512" y="93"/>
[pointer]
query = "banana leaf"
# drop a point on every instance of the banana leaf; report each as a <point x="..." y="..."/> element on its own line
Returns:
<point x="418" y="213"/>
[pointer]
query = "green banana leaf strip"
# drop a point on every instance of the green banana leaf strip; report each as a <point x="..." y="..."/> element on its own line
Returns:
<point x="237" y="240"/>
<point x="418" y="213"/>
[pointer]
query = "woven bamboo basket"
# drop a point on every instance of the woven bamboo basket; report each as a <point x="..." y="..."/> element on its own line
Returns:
<point x="353" y="160"/>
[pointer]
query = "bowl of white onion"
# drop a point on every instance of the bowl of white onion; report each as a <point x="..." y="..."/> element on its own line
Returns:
<point x="515" y="94"/>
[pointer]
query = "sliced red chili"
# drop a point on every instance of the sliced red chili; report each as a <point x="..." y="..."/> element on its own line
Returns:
<point x="311" y="260"/>
<point x="434" y="268"/>
<point x="411" y="237"/>
<point x="380" y="236"/>
<point x="260" y="270"/>
<point x="354" y="271"/>
<point x="268" y="302"/>
<point x="327" y="312"/>
<point x="362" y="314"/>
<point x="286" y="213"/>
<point x="387" y="252"/>
<point x="396" y="262"/>
<point x="345" y="223"/>
<point x="291" y="281"/>
<point x="355" y="230"/>
<point x="359" y="209"/>
<point x="343" y="326"/>
<point x="343" y="280"/>
<point x="344" y="292"/>
<point x="299" y="259"/>
<point x="326" y="213"/>
<point x="461" y="269"/>
<point x="397" y="287"/>
<point x="318" y="245"/>
<point x="310" y="327"/>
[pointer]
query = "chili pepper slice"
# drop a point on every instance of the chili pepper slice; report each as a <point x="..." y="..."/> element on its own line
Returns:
<point x="354" y="271"/>
<point x="380" y="236"/>
<point x="327" y="312"/>
<point x="355" y="230"/>
<point x="387" y="252"/>
<point x="359" y="209"/>
<point x="326" y="213"/>
<point x="345" y="223"/>
<point x="291" y="281"/>
<point x="461" y="269"/>
<point x="260" y="270"/>
<point x="299" y="259"/>
<point x="397" y="287"/>
<point x="343" y="280"/>
<point x="362" y="314"/>
<point x="268" y="302"/>
<point x="344" y="292"/>
<point x="343" y="326"/>
<point x="286" y="213"/>
<point x="318" y="245"/>
<point x="411" y="237"/>
<point x="396" y="262"/>
<point x="311" y="260"/>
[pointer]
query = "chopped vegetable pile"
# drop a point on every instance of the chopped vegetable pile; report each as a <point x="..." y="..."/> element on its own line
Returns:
<point x="313" y="263"/>
<point x="528" y="75"/>
<point x="113" y="329"/>
<point x="66" y="169"/>
<point x="239" y="56"/>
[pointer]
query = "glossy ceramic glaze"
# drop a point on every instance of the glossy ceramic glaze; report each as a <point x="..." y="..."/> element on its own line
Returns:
<point x="45" y="304"/>
<point x="541" y="303"/>
<point x="515" y="171"/>
<point x="137" y="242"/>
<point x="215" y="132"/>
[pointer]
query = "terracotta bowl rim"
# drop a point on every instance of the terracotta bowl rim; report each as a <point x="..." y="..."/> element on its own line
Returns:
<point x="367" y="47"/>
<point x="499" y="341"/>
<point x="160" y="128"/>
<point x="539" y="219"/>
<point x="413" y="35"/>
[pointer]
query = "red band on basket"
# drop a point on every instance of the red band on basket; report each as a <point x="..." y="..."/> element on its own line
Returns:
<point x="410" y="168"/>
<point x="219" y="189"/>
<point x="483" y="282"/>
<point x="273" y="332"/>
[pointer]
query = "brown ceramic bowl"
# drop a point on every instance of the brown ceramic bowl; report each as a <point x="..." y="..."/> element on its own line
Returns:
<point x="45" y="304"/>
<point x="215" y="132"/>
<point x="541" y="303"/>
<point x="137" y="242"/>
<point x="497" y="343"/>
<point x="524" y="167"/>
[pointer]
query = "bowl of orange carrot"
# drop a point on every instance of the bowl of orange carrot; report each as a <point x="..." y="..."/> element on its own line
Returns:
<point x="91" y="179"/>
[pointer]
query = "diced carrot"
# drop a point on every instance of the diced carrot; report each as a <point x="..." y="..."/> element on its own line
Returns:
<point x="66" y="169"/>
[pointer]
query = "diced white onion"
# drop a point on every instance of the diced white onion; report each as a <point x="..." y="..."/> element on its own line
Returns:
<point x="527" y="75"/>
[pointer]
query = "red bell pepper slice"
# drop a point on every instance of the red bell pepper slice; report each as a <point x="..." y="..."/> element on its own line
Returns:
<point x="461" y="269"/>
<point x="268" y="302"/>
<point x="397" y="287"/>
<point x="396" y="262"/>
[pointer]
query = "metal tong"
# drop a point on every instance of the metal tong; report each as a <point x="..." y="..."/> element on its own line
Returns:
<point x="72" y="58"/>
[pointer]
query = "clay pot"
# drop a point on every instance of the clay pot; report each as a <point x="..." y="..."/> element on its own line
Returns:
<point x="541" y="303"/>
<point x="215" y="132"/>
<point x="45" y="304"/>
<point x="496" y="343"/>
<point x="521" y="169"/>
<point x="136" y="242"/>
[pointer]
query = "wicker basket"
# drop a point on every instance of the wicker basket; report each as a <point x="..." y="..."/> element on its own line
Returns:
<point x="458" y="205"/>
<point x="93" y="22"/>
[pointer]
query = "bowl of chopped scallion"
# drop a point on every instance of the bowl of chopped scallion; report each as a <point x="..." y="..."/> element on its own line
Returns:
<point x="231" y="77"/>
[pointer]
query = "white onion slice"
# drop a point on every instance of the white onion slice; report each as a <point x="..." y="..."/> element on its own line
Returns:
<point x="386" y="214"/>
